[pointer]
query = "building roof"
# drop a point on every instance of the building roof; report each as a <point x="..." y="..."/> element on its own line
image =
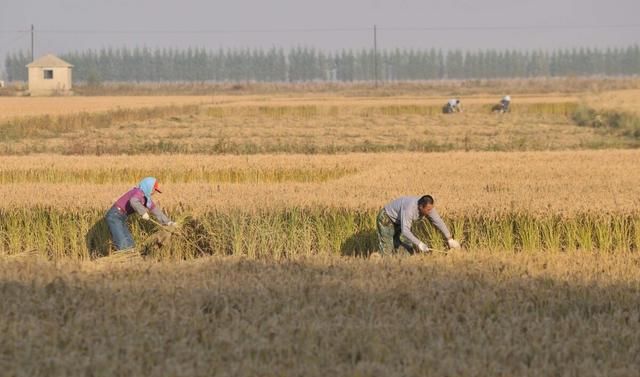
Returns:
<point x="49" y="61"/>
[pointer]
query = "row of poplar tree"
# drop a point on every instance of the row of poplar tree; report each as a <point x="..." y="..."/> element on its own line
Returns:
<point x="309" y="64"/>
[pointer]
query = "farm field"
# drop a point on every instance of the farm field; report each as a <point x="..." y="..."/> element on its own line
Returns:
<point x="625" y="100"/>
<point x="466" y="314"/>
<point x="11" y="107"/>
<point x="464" y="182"/>
<point x="327" y="204"/>
<point x="277" y="194"/>
<point x="317" y="124"/>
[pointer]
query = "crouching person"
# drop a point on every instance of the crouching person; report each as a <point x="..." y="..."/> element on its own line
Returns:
<point x="137" y="200"/>
<point x="504" y="105"/>
<point x="394" y="225"/>
<point x="453" y="106"/>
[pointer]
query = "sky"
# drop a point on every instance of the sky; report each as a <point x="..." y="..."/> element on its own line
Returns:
<point x="68" y="25"/>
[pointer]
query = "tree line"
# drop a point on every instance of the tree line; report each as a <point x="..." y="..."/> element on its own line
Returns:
<point x="310" y="64"/>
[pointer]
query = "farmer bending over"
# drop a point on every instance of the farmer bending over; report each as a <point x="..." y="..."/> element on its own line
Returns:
<point x="395" y="219"/>
<point x="138" y="199"/>
<point x="453" y="106"/>
<point x="505" y="102"/>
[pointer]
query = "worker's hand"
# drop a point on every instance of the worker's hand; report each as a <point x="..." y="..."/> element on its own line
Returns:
<point x="453" y="244"/>
<point x="146" y="216"/>
<point x="423" y="247"/>
<point x="172" y="223"/>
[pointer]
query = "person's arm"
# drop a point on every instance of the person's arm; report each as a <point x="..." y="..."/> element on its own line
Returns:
<point x="162" y="218"/>
<point x="436" y="220"/>
<point x="137" y="205"/>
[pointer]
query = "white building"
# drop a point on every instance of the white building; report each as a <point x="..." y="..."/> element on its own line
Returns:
<point x="49" y="75"/>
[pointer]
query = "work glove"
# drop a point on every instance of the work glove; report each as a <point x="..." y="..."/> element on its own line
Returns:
<point x="146" y="216"/>
<point x="423" y="247"/>
<point x="172" y="223"/>
<point x="453" y="244"/>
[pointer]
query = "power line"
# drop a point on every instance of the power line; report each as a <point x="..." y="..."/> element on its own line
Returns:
<point x="329" y="30"/>
<point x="14" y="31"/>
<point x="202" y="31"/>
<point x="531" y="28"/>
<point x="8" y="38"/>
<point x="8" y="41"/>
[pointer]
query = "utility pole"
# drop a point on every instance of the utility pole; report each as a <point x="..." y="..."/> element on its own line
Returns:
<point x="375" y="54"/>
<point x="32" y="57"/>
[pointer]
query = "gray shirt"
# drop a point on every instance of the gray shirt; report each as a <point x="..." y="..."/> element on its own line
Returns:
<point x="404" y="211"/>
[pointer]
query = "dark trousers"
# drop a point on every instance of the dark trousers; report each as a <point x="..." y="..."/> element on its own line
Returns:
<point x="120" y="234"/>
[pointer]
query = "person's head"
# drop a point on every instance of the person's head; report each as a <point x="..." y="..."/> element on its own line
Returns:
<point x="149" y="186"/>
<point x="457" y="101"/>
<point x="425" y="205"/>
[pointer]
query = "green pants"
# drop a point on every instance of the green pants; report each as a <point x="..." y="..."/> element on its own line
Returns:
<point x="390" y="238"/>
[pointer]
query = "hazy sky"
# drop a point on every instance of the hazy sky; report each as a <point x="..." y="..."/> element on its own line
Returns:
<point x="63" y="25"/>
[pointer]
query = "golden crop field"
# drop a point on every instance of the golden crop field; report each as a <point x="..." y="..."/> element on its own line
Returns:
<point x="11" y="107"/>
<point x="502" y="201"/>
<point x="276" y="195"/>
<point x="463" y="182"/>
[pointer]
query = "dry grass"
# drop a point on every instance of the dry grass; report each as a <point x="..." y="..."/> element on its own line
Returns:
<point x="462" y="314"/>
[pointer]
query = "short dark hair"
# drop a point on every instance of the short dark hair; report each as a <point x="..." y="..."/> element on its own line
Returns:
<point x="427" y="199"/>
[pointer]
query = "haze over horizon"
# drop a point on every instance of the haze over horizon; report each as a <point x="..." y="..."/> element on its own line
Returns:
<point x="69" y="25"/>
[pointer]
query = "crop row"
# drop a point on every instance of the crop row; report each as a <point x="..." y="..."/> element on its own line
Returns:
<point x="83" y="234"/>
<point x="187" y="175"/>
<point x="314" y="111"/>
<point x="45" y="126"/>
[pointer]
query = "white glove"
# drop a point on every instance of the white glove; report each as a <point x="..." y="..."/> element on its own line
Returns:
<point x="423" y="247"/>
<point x="453" y="244"/>
<point x="172" y="223"/>
<point x="146" y="216"/>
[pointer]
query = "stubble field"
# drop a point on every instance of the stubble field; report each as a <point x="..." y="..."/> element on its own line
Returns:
<point x="467" y="314"/>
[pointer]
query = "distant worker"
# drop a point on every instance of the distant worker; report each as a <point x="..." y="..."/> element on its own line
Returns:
<point x="137" y="200"/>
<point x="394" y="223"/>
<point x="452" y="106"/>
<point x="503" y="106"/>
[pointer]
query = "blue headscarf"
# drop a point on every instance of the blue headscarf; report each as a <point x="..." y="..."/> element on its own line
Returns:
<point x="146" y="185"/>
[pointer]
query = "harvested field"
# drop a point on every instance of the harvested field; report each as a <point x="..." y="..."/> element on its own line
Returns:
<point x="276" y="196"/>
<point x="312" y="125"/>
<point x="11" y="107"/>
<point x="464" y="314"/>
